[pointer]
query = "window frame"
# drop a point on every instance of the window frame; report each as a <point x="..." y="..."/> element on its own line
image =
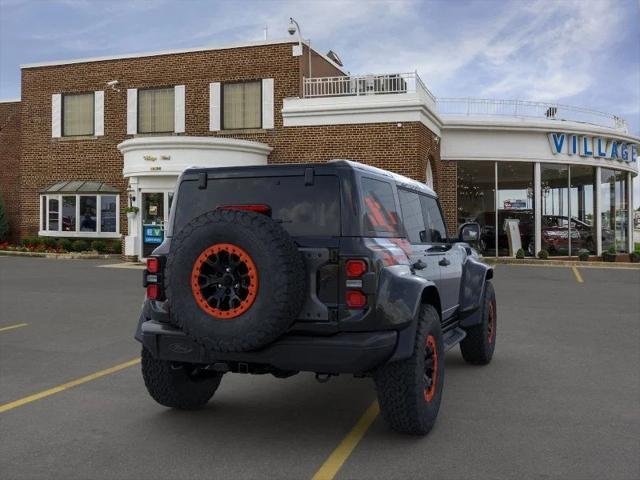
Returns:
<point x="404" y="226"/>
<point x="447" y="240"/>
<point x="158" y="132"/>
<point x="222" y="88"/>
<point x="93" y="117"/>
<point x="44" y="215"/>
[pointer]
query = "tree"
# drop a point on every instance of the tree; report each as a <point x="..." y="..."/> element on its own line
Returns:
<point x="4" y="222"/>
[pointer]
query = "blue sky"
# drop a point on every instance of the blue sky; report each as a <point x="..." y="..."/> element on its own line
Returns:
<point x="583" y="52"/>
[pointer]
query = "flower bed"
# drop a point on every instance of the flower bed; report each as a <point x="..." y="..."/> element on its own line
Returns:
<point x="63" y="245"/>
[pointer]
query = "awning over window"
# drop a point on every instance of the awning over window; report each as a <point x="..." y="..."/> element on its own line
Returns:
<point x="80" y="186"/>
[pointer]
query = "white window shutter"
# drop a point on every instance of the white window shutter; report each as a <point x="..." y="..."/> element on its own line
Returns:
<point x="98" y="113"/>
<point x="178" y="110"/>
<point x="132" y="111"/>
<point x="56" y="115"/>
<point x="267" y="103"/>
<point x="214" y="107"/>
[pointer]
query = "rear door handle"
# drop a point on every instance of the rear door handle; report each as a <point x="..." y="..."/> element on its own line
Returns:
<point x="444" y="262"/>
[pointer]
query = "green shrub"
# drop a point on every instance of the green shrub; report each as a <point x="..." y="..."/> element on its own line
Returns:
<point x="543" y="254"/>
<point x="520" y="253"/>
<point x="583" y="255"/>
<point x="99" y="246"/>
<point x="31" y="242"/>
<point x="4" y="222"/>
<point x="115" y="246"/>
<point x="634" y="257"/>
<point x="80" y="246"/>
<point x="65" y="244"/>
<point x="48" y="242"/>
<point x="611" y="250"/>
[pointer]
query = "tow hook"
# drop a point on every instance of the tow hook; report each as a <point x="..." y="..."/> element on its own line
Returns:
<point x="323" y="377"/>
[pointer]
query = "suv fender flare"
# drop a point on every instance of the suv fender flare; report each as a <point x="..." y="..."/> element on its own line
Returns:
<point x="472" y="286"/>
<point x="417" y="291"/>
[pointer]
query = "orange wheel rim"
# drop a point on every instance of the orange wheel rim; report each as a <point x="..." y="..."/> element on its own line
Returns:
<point x="224" y="281"/>
<point x="491" y="323"/>
<point x="430" y="368"/>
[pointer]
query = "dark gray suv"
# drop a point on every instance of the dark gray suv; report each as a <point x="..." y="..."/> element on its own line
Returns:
<point x="327" y="268"/>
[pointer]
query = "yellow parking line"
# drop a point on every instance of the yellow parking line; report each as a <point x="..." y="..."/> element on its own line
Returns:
<point x="46" y="393"/>
<point x="576" y="273"/>
<point x="335" y="461"/>
<point x="11" y="327"/>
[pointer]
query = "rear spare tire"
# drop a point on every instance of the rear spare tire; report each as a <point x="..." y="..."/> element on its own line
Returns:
<point x="235" y="280"/>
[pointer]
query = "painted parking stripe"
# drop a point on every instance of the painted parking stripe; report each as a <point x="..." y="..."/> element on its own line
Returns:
<point x="576" y="273"/>
<point x="337" y="458"/>
<point x="65" y="386"/>
<point x="11" y="327"/>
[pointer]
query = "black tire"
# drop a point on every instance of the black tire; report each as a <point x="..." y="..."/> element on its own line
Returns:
<point x="403" y="386"/>
<point x="279" y="288"/>
<point x="478" y="346"/>
<point x="178" y="386"/>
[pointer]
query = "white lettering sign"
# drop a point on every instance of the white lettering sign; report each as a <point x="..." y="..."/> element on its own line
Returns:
<point x="597" y="147"/>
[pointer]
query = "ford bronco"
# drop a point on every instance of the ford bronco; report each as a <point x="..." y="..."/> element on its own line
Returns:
<point x="328" y="268"/>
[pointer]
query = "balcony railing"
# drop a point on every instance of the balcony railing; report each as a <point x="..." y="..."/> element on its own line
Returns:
<point x="402" y="83"/>
<point x="356" y="85"/>
<point x="523" y="108"/>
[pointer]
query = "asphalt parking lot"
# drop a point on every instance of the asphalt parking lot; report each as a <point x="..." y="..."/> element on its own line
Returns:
<point x="561" y="398"/>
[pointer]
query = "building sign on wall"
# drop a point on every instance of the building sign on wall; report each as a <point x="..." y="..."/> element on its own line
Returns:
<point x="589" y="146"/>
<point x="153" y="234"/>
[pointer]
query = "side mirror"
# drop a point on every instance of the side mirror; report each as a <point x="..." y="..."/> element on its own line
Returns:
<point x="469" y="232"/>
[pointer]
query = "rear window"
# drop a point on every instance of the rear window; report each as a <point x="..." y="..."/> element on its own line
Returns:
<point x="302" y="210"/>
<point x="380" y="207"/>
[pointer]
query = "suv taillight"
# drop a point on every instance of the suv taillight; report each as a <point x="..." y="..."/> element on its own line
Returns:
<point x="152" y="278"/>
<point x="258" y="208"/>
<point x="354" y="270"/>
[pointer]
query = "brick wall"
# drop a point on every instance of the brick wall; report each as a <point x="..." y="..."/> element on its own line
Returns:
<point x="10" y="162"/>
<point x="45" y="160"/>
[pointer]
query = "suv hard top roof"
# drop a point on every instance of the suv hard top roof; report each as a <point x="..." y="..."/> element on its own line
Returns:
<point x="320" y="167"/>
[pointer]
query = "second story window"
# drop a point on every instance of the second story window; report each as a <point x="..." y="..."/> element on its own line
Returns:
<point x="78" y="114"/>
<point x="156" y="110"/>
<point x="241" y="105"/>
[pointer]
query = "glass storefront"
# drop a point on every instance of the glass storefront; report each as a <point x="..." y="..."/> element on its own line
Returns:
<point x="614" y="210"/>
<point x="476" y="200"/>
<point x="582" y="204"/>
<point x="568" y="200"/>
<point x="516" y="226"/>
<point x="554" y="193"/>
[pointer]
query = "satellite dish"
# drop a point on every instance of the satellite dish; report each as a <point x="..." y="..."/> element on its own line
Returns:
<point x="334" y="57"/>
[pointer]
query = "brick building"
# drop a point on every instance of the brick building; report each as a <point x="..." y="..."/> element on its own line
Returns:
<point x="90" y="137"/>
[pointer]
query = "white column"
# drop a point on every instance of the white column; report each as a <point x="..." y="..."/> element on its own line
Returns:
<point x="537" y="208"/>
<point x="178" y="110"/>
<point x="630" y="210"/>
<point x="56" y="115"/>
<point x="598" y="213"/>
<point x="214" y="107"/>
<point x="98" y="113"/>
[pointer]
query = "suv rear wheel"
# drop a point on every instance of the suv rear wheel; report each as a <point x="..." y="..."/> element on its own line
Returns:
<point x="180" y="386"/>
<point x="409" y="391"/>
<point x="478" y="346"/>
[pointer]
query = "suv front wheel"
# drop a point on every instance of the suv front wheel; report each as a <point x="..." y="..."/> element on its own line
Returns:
<point x="181" y="386"/>
<point x="409" y="391"/>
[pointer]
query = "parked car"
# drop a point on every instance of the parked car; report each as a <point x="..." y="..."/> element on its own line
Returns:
<point x="333" y="268"/>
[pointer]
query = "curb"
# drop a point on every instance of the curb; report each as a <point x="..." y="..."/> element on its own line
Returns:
<point x="63" y="256"/>
<point x="560" y="263"/>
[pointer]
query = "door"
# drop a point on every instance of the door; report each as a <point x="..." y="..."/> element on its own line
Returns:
<point x="154" y="216"/>
<point x="442" y="253"/>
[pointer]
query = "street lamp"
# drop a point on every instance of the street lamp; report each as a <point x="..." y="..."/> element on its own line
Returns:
<point x="293" y="28"/>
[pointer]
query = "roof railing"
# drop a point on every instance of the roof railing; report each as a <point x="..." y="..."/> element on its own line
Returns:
<point x="372" y="84"/>
<point x="528" y="109"/>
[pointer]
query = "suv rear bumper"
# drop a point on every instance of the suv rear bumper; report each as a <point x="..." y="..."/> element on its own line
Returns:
<point x="340" y="353"/>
